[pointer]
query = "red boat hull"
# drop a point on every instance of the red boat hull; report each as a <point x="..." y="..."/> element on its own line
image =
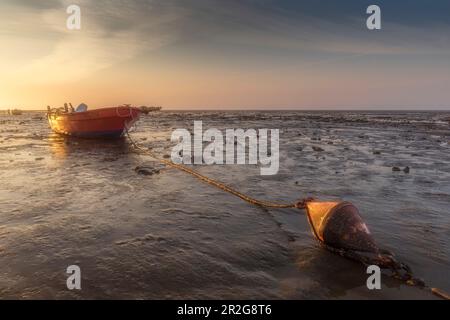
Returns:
<point x="98" y="123"/>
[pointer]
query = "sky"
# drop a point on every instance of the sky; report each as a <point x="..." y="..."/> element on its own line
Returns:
<point x="226" y="54"/>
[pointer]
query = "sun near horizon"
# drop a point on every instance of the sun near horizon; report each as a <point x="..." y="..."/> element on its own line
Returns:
<point x="225" y="55"/>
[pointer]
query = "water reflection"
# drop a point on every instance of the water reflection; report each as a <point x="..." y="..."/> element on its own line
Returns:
<point x="66" y="200"/>
<point x="72" y="148"/>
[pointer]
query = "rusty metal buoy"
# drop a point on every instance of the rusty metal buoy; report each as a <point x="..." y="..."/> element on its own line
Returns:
<point x="339" y="225"/>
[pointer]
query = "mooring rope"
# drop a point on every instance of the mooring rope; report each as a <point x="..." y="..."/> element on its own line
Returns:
<point x="399" y="270"/>
<point x="386" y="260"/>
<point x="267" y="204"/>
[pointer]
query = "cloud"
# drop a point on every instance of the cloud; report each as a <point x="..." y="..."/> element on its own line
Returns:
<point x="33" y="4"/>
<point x="145" y="25"/>
<point x="109" y="35"/>
<point x="242" y="38"/>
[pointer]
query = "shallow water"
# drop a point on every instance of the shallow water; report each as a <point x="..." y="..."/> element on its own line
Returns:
<point x="67" y="201"/>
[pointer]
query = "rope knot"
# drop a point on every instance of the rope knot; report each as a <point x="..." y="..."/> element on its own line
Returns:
<point x="302" y="203"/>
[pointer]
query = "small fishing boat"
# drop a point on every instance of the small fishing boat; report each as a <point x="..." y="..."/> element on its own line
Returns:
<point x="108" y="122"/>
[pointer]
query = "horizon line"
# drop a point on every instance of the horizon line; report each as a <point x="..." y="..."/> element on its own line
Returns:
<point x="397" y="108"/>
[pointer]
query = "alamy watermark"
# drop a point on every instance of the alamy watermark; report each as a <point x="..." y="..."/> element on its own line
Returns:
<point x="235" y="146"/>
<point x="74" y="280"/>
<point x="374" y="280"/>
<point x="374" y="20"/>
<point x="73" y="21"/>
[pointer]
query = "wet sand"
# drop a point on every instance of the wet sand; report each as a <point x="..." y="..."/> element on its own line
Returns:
<point x="166" y="235"/>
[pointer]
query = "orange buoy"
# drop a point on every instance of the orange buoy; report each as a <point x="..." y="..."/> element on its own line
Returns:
<point x="340" y="226"/>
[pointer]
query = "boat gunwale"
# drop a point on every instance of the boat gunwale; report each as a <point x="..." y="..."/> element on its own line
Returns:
<point x="89" y="114"/>
<point x="58" y="117"/>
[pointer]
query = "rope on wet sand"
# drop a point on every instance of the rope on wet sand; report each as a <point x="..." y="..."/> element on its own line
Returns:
<point x="267" y="204"/>
<point x="386" y="260"/>
<point x="396" y="267"/>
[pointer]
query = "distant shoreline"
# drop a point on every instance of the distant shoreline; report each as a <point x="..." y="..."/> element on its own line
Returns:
<point x="273" y="110"/>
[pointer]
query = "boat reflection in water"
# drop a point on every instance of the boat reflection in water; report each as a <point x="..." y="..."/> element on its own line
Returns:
<point x="74" y="149"/>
